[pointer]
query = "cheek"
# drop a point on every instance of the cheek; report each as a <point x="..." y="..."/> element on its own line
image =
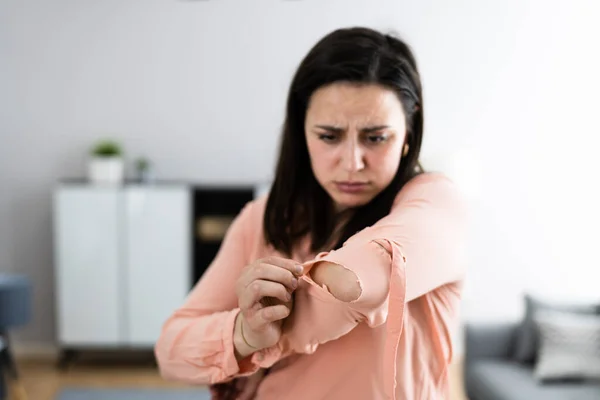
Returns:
<point x="322" y="158"/>
<point x="386" y="164"/>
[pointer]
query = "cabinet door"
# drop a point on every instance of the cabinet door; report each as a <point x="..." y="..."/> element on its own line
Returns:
<point x="158" y="262"/>
<point x="88" y="285"/>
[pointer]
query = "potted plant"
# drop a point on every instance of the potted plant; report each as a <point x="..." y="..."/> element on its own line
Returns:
<point x="144" y="171"/>
<point x="106" y="165"/>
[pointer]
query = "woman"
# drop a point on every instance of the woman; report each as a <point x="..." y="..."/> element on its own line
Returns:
<point x="345" y="282"/>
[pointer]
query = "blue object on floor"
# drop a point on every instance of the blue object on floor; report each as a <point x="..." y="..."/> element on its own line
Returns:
<point x="15" y="301"/>
<point x="15" y="311"/>
<point x="133" y="394"/>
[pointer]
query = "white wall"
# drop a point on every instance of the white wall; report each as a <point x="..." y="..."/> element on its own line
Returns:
<point x="199" y="86"/>
<point x="538" y="216"/>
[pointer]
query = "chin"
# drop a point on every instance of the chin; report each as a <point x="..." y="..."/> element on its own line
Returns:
<point x="345" y="201"/>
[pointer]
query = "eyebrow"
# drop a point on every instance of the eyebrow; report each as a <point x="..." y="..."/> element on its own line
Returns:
<point x="336" y="129"/>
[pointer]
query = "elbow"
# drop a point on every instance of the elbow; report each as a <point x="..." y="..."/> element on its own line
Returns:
<point x="167" y="373"/>
<point x="346" y="288"/>
<point x="176" y="370"/>
<point x="161" y="352"/>
<point x="342" y="283"/>
<point x="165" y="355"/>
<point x="178" y="361"/>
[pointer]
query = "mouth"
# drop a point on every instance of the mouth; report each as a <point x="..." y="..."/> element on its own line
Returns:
<point x="351" y="186"/>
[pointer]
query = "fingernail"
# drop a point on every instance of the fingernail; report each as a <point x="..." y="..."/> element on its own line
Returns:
<point x="288" y="296"/>
<point x="294" y="283"/>
<point x="299" y="269"/>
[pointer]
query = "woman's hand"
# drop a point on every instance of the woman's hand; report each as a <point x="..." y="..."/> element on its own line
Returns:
<point x="264" y="290"/>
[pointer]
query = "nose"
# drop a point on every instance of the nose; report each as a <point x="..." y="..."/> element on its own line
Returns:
<point x="353" y="158"/>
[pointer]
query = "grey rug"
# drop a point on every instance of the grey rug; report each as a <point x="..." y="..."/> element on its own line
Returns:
<point x="133" y="394"/>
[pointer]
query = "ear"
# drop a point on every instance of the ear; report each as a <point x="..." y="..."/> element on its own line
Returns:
<point x="405" y="150"/>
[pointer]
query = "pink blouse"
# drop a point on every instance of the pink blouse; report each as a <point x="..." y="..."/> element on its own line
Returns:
<point x="393" y="342"/>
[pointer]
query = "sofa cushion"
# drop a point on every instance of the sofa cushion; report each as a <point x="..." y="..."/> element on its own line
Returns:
<point x="527" y="339"/>
<point x="510" y="380"/>
<point x="569" y="346"/>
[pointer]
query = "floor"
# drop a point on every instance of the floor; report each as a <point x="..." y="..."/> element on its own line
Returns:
<point x="42" y="380"/>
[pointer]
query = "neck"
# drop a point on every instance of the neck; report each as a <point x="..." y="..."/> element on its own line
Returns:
<point x="341" y="220"/>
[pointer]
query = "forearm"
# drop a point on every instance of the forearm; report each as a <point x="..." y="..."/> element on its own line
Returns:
<point x="350" y="274"/>
<point x="338" y="292"/>
<point x="201" y="349"/>
<point x="340" y="281"/>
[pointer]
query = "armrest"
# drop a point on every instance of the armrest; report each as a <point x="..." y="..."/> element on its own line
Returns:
<point x="489" y="340"/>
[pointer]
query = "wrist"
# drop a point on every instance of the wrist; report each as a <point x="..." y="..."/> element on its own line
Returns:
<point x="242" y="348"/>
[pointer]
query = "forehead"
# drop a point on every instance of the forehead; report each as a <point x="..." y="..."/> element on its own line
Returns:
<point x="361" y="103"/>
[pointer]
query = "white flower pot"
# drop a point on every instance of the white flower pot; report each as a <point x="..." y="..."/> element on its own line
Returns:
<point x="106" y="170"/>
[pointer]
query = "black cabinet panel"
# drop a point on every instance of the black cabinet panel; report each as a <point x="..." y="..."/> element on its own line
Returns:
<point x="213" y="210"/>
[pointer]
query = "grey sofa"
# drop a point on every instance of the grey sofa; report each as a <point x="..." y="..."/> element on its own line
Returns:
<point x="491" y="372"/>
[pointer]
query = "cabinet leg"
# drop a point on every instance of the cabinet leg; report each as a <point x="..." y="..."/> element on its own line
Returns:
<point x="67" y="356"/>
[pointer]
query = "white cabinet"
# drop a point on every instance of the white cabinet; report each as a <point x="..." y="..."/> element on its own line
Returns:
<point x="157" y="258"/>
<point x="88" y="261"/>
<point x="123" y="262"/>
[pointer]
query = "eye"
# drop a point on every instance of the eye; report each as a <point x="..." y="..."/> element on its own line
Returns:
<point x="328" y="137"/>
<point x="374" y="139"/>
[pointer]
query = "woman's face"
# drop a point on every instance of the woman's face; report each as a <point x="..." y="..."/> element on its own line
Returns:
<point x="355" y="134"/>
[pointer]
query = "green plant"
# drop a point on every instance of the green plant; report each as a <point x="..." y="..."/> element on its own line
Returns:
<point x="142" y="164"/>
<point x="107" y="148"/>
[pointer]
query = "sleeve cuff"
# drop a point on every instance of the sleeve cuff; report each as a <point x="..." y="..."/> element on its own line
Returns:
<point x="231" y="367"/>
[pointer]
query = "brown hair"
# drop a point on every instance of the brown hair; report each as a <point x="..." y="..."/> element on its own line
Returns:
<point x="297" y="204"/>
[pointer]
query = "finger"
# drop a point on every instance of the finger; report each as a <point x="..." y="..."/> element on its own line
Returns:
<point x="269" y="301"/>
<point x="290" y="265"/>
<point x="261" y="288"/>
<point x="268" y="315"/>
<point x="247" y="276"/>
<point x="270" y="272"/>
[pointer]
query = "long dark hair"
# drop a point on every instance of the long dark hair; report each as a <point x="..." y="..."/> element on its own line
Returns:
<point x="297" y="204"/>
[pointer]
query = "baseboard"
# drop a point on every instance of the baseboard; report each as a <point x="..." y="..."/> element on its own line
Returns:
<point x="35" y="350"/>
